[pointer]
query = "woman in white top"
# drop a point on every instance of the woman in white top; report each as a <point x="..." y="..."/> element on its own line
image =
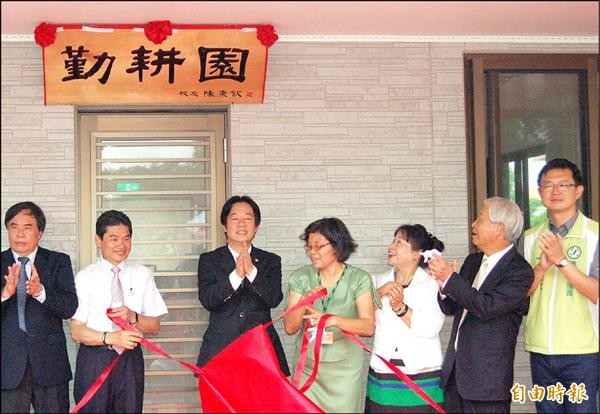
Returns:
<point x="407" y="327"/>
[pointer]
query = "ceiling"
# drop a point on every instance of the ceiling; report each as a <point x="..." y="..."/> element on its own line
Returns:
<point x="324" y="18"/>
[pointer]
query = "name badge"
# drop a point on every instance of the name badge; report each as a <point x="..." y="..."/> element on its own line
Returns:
<point x="327" y="338"/>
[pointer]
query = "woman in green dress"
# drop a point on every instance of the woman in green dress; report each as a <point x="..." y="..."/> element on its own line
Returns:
<point x="352" y="300"/>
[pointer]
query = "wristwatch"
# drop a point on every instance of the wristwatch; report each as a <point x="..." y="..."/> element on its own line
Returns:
<point x="562" y="262"/>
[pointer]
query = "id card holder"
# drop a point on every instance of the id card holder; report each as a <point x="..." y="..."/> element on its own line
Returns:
<point x="327" y="338"/>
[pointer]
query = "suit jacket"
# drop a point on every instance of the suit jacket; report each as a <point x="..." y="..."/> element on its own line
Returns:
<point x="44" y="342"/>
<point x="484" y="360"/>
<point x="233" y="312"/>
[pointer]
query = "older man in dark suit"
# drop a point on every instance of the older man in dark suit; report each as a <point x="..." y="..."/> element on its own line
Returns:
<point x="238" y="283"/>
<point x="38" y="292"/>
<point x="488" y="299"/>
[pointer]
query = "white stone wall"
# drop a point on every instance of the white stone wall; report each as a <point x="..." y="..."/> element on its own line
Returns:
<point x="373" y="133"/>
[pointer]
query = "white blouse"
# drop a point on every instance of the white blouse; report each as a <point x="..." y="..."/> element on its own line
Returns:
<point x="419" y="345"/>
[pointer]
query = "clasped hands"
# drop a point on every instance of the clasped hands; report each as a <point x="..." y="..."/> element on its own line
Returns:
<point x="395" y="292"/>
<point x="552" y="250"/>
<point x="243" y="264"/>
<point x="33" y="285"/>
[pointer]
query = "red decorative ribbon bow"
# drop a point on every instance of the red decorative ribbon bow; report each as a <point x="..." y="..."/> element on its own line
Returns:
<point x="45" y="34"/>
<point x="266" y="34"/>
<point x="158" y="31"/>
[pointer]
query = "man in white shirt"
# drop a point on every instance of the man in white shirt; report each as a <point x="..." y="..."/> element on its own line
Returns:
<point x="129" y="291"/>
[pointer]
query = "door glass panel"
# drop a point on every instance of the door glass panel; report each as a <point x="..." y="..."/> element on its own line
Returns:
<point x="167" y="202"/>
<point x="167" y="173"/>
<point x="534" y="117"/>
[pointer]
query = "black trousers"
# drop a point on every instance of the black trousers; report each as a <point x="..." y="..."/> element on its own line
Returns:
<point x="50" y="399"/>
<point x="123" y="390"/>
<point x="455" y="403"/>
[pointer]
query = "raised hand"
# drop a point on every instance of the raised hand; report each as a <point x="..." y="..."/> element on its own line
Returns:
<point x="34" y="285"/>
<point x="440" y="269"/>
<point x="244" y="265"/>
<point x="552" y="249"/>
<point x="12" y="278"/>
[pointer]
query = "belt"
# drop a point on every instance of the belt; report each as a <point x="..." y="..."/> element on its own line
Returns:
<point x="107" y="347"/>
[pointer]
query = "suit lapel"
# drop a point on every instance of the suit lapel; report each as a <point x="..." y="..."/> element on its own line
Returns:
<point x="226" y="259"/>
<point x="257" y="257"/>
<point x="41" y="259"/>
<point x="7" y="261"/>
<point x="472" y="273"/>
<point x="498" y="271"/>
<point x="8" y="258"/>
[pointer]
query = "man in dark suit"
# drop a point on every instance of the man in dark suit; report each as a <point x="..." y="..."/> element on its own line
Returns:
<point x="238" y="283"/>
<point x="38" y="292"/>
<point x="488" y="299"/>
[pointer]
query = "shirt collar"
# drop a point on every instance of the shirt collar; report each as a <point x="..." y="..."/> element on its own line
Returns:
<point x="420" y="276"/>
<point x="565" y="228"/>
<point x="236" y="254"/>
<point x="31" y="256"/>
<point x="108" y="265"/>
<point x="494" y="258"/>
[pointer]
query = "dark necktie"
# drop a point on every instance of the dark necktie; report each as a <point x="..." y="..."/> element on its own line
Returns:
<point x="22" y="292"/>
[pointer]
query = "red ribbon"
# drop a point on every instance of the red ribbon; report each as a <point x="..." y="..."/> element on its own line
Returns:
<point x="123" y="324"/>
<point x="95" y="386"/>
<point x="353" y="337"/>
<point x="301" y="359"/>
<point x="418" y="390"/>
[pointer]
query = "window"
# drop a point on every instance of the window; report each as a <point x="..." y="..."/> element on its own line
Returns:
<point x="522" y="111"/>
<point x="166" y="171"/>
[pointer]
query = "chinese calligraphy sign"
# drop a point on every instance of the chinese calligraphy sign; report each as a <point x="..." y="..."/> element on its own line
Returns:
<point x="120" y="65"/>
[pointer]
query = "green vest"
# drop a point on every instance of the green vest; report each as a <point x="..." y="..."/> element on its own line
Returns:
<point x="561" y="320"/>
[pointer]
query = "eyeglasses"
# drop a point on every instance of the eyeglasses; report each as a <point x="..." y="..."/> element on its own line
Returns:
<point x="316" y="248"/>
<point x="562" y="187"/>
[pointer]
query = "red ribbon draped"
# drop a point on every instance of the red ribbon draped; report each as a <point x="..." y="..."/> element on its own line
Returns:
<point x="398" y="373"/>
<point x="299" y="368"/>
<point x="354" y="338"/>
<point x="95" y="386"/>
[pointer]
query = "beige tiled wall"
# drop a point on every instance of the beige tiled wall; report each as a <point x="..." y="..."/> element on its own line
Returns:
<point x="373" y="133"/>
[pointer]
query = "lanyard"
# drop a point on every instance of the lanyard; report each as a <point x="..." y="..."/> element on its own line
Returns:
<point x="325" y="302"/>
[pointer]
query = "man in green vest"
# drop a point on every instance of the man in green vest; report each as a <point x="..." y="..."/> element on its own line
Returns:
<point x="561" y="329"/>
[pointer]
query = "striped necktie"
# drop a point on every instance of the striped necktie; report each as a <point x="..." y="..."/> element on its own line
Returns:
<point x="22" y="292"/>
<point x="117" y="300"/>
<point x="116" y="289"/>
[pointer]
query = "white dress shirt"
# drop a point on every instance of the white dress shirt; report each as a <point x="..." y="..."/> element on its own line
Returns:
<point x="419" y="345"/>
<point x="93" y="285"/>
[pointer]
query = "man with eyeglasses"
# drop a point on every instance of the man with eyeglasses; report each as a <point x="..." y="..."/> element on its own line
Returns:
<point x="561" y="329"/>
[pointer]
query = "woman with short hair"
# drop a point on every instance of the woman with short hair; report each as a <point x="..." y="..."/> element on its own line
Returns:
<point x="351" y="299"/>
